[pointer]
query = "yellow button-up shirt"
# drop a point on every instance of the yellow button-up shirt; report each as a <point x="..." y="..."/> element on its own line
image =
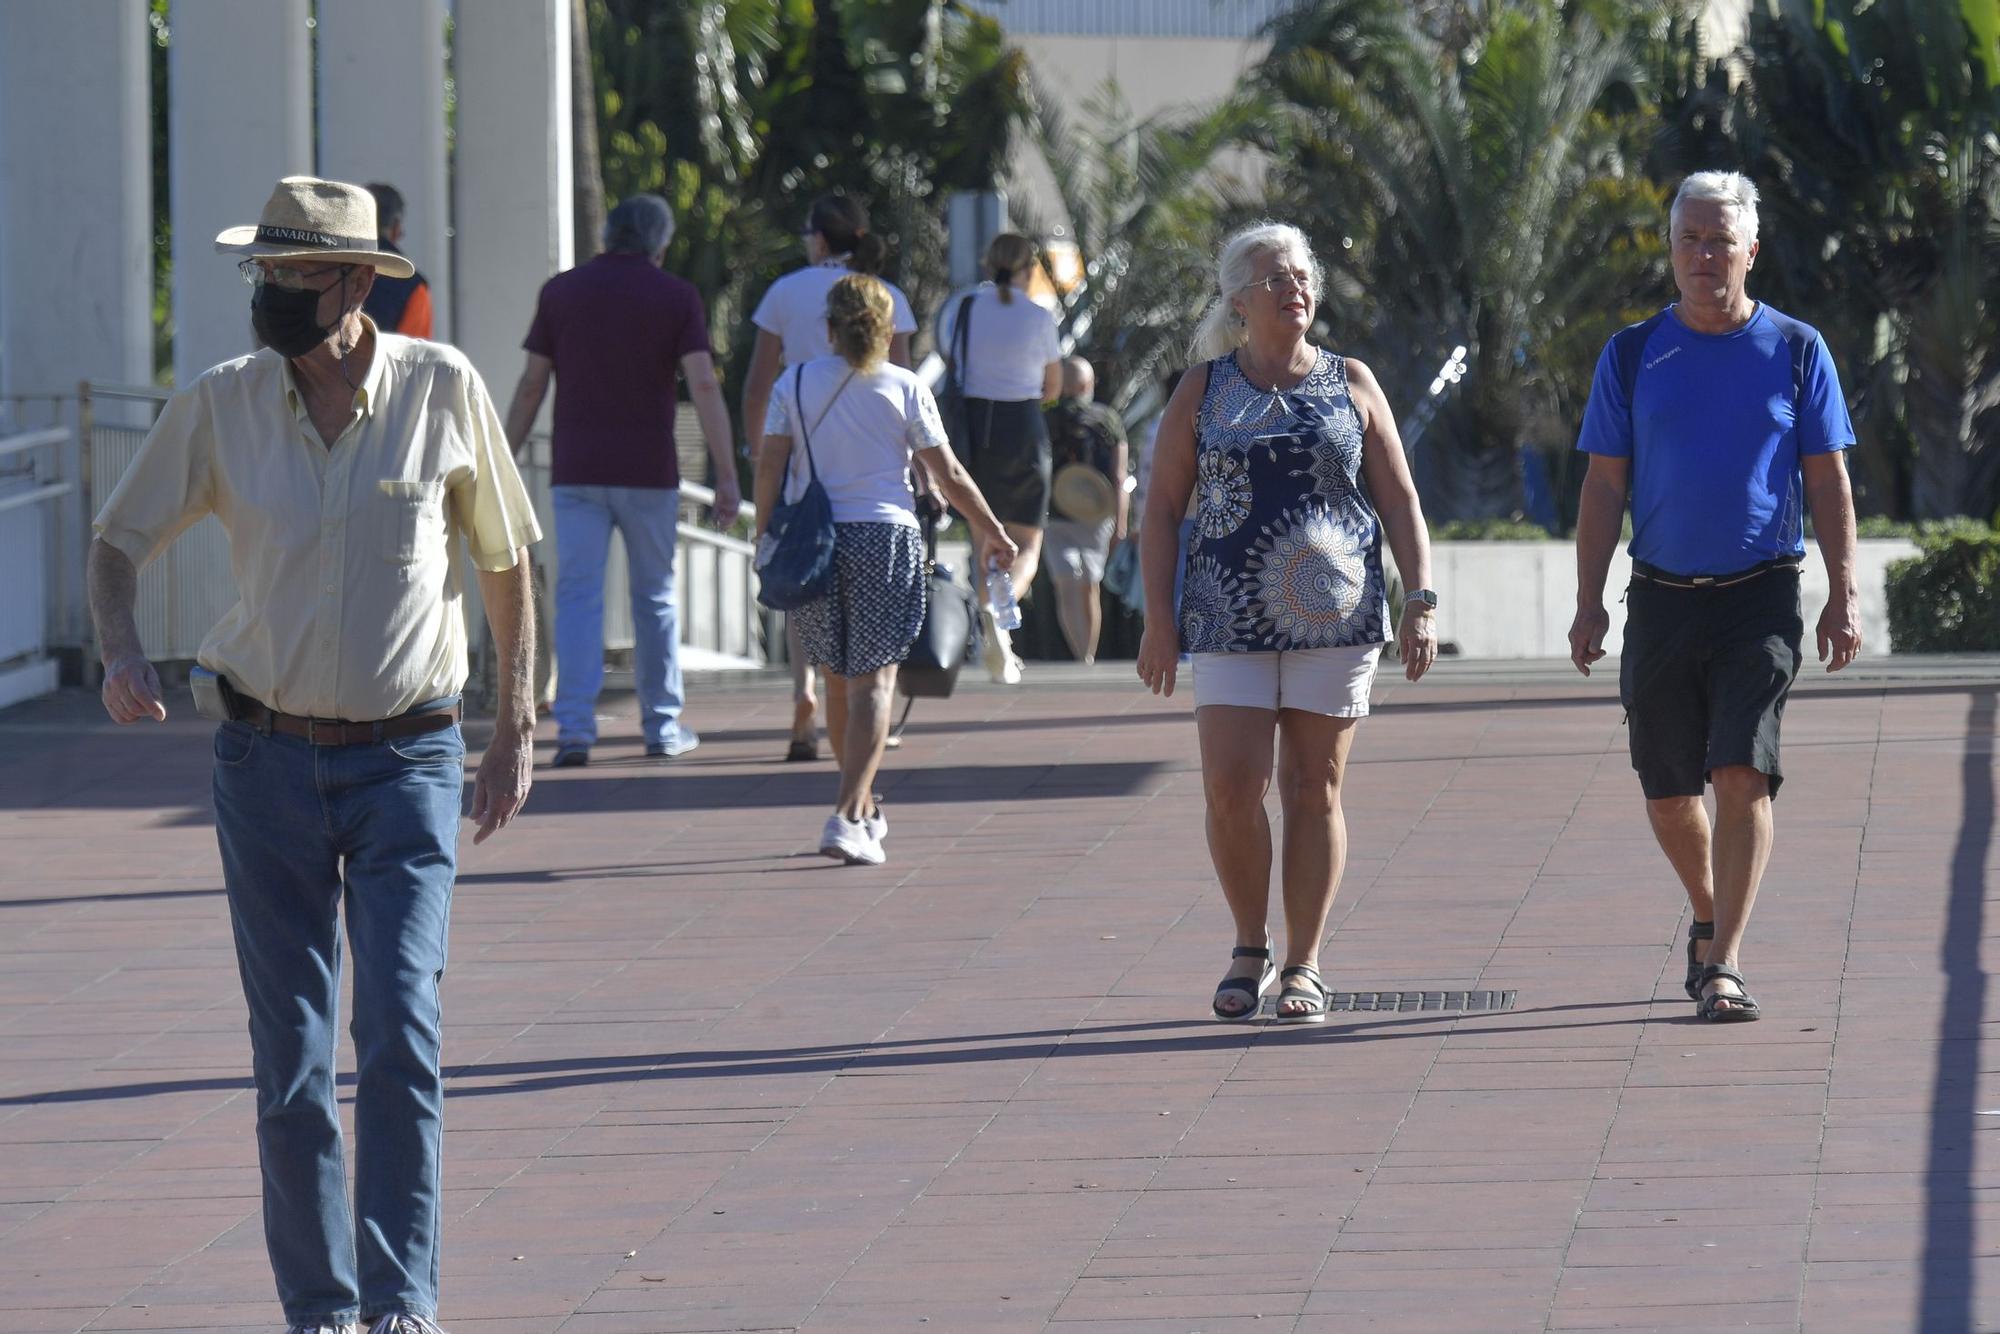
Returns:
<point x="351" y="604"/>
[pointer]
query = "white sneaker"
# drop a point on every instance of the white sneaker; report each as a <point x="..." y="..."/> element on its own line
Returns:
<point x="877" y="824"/>
<point x="325" y="1327"/>
<point x="850" y="841"/>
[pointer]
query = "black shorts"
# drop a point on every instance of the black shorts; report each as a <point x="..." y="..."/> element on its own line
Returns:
<point x="1704" y="677"/>
<point x="1010" y="458"/>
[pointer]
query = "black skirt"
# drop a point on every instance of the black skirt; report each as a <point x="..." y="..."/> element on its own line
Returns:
<point x="1010" y="458"/>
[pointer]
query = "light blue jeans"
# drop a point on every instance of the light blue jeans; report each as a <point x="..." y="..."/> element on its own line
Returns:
<point x="645" y="517"/>
<point x="304" y="829"/>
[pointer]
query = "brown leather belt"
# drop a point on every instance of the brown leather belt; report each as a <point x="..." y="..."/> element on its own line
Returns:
<point x="335" y="732"/>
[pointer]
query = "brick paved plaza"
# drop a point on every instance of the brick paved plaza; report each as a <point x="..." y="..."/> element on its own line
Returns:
<point x="702" y="1079"/>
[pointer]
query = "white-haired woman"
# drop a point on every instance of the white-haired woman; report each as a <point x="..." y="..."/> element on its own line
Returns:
<point x="859" y="423"/>
<point x="1292" y="455"/>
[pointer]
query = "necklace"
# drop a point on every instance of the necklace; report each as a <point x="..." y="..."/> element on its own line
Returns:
<point x="1273" y="380"/>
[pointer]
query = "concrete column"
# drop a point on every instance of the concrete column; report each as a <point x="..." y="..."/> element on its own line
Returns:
<point x="381" y="118"/>
<point x="76" y="246"/>
<point x="240" y="92"/>
<point x="511" y="174"/>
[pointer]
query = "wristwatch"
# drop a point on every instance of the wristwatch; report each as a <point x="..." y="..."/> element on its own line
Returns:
<point x="1423" y="595"/>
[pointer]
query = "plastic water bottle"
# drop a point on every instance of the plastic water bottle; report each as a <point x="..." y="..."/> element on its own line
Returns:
<point x="1000" y="598"/>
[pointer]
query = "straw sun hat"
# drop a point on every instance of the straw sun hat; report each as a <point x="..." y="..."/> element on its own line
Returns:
<point x="1082" y="494"/>
<point x="307" y="218"/>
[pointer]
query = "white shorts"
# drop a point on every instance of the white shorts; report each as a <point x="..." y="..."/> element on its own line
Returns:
<point x="1330" y="681"/>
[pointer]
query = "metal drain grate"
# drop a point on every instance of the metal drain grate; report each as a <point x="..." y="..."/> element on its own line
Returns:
<point x="1472" y="1002"/>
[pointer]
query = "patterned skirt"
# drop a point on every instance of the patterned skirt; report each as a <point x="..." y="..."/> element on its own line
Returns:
<point x="872" y="613"/>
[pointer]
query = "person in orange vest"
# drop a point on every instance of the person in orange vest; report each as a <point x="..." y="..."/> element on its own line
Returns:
<point x="400" y="305"/>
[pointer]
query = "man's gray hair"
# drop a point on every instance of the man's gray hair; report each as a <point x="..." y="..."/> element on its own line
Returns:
<point x="641" y="225"/>
<point x="1732" y="189"/>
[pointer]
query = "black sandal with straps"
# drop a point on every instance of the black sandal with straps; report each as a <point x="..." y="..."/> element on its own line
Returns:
<point x="1726" y="1007"/>
<point x="1697" y="931"/>
<point x="1250" y="989"/>
<point x="1303" y="985"/>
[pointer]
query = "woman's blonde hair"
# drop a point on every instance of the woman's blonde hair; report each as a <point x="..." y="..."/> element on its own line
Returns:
<point x="1221" y="330"/>
<point x="860" y="318"/>
<point x="1008" y="255"/>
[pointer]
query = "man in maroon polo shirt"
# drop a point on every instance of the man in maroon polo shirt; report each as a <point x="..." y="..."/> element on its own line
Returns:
<point x="613" y="332"/>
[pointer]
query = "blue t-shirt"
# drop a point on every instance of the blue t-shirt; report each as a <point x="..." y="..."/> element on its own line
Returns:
<point x="1716" y="425"/>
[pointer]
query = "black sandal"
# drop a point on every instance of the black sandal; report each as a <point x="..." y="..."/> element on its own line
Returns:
<point x="1696" y="931"/>
<point x="1313" y="992"/>
<point x="1725" y="1008"/>
<point x="1252" y="989"/>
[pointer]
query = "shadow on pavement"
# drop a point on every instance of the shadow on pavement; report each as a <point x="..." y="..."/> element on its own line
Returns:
<point x="1946" y="1299"/>
<point x="1054" y="1043"/>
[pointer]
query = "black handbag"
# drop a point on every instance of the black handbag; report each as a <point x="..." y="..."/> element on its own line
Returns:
<point x="795" y="556"/>
<point x="950" y="632"/>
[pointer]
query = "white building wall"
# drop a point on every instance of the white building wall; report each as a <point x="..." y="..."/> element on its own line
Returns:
<point x="381" y="118"/>
<point x="240" y="100"/>
<point x="511" y="175"/>
<point x="76" y="253"/>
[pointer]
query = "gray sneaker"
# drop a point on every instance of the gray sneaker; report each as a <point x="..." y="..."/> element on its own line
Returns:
<point x="403" y="1323"/>
<point x="325" y="1327"/>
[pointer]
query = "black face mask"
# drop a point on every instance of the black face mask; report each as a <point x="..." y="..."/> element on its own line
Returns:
<point x="288" y="322"/>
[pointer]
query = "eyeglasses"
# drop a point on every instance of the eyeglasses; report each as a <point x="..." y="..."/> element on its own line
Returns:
<point x="286" y="279"/>
<point x="1285" y="282"/>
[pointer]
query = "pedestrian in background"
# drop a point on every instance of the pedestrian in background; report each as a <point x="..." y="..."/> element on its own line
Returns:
<point x="791" y="328"/>
<point x="1293" y="457"/>
<point x="401" y="304"/>
<point x="346" y="465"/>
<point x="856" y="421"/>
<point x="616" y="334"/>
<point x="1723" y="422"/>
<point x="1012" y="366"/>
<point x="1086" y="433"/>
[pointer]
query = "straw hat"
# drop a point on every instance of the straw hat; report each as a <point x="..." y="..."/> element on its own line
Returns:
<point x="1082" y="494"/>
<point x="307" y="218"/>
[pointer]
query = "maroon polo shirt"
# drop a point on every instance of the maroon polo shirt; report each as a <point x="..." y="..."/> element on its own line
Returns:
<point x="616" y="329"/>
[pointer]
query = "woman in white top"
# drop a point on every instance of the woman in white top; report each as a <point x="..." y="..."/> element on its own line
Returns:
<point x="791" y="328"/>
<point x="1012" y="364"/>
<point x="863" y="421"/>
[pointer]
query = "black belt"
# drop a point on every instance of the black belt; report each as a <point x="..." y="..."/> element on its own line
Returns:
<point x="1653" y="574"/>
<point x="337" y="732"/>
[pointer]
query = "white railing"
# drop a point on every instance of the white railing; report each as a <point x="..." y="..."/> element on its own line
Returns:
<point x="96" y="433"/>
<point x="31" y="479"/>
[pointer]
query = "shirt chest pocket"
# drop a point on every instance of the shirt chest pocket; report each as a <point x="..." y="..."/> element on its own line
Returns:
<point x="412" y="520"/>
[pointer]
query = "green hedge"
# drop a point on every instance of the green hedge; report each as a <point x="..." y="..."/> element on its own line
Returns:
<point x="1947" y="599"/>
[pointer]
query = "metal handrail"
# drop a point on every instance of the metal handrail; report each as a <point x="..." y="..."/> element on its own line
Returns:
<point x="16" y="444"/>
<point x="24" y="498"/>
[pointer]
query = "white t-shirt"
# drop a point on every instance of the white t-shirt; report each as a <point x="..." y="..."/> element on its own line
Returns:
<point x="794" y="308"/>
<point x="1007" y="348"/>
<point x="862" y="440"/>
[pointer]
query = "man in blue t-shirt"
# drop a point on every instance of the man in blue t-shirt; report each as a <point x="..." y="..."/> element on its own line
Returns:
<point x="1722" y="421"/>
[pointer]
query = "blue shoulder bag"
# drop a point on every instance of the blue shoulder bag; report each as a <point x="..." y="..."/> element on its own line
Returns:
<point x="795" y="557"/>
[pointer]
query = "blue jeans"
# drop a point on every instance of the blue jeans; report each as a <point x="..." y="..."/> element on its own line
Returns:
<point x="645" y="517"/>
<point x="303" y="828"/>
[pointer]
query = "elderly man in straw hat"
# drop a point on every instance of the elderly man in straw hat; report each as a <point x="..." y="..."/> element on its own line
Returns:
<point x="345" y="464"/>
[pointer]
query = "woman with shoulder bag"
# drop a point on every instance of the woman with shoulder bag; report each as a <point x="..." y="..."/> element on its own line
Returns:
<point x="855" y="422"/>
<point x="1007" y="361"/>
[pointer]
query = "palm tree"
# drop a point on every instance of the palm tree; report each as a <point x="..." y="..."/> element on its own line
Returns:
<point x="1144" y="200"/>
<point x="1466" y="184"/>
<point x="1874" y="138"/>
<point x="740" y="111"/>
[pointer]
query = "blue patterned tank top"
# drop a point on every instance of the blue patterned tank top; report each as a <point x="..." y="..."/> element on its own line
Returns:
<point x="1287" y="550"/>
